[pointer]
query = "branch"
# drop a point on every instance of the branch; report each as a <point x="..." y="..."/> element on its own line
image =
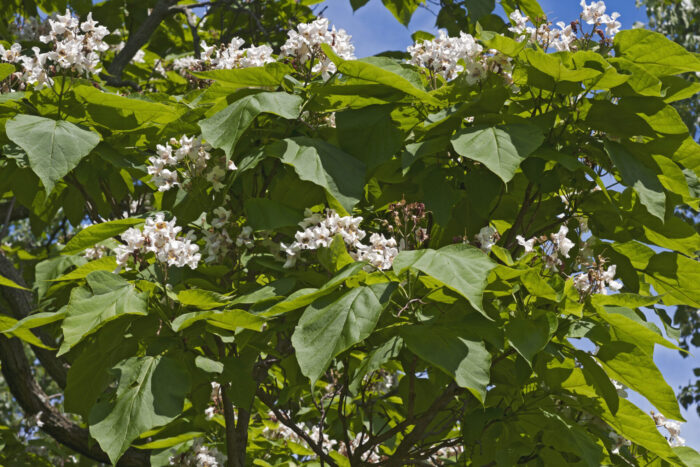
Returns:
<point x="31" y="397"/>
<point x="317" y="448"/>
<point x="21" y="305"/>
<point x="136" y="41"/>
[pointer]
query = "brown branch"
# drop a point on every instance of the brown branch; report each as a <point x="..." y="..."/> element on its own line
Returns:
<point x="35" y="403"/>
<point x="21" y="305"/>
<point x="137" y="40"/>
<point x="316" y="447"/>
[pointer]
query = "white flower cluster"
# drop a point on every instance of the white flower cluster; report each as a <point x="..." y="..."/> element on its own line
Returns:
<point x="597" y="280"/>
<point x="97" y="252"/>
<point x="319" y="231"/>
<point x="76" y="46"/>
<point x="228" y="57"/>
<point x="304" y="45"/>
<point x="443" y="54"/>
<point x="562" y="39"/>
<point x="188" y="152"/>
<point x="159" y="237"/>
<point x="673" y="427"/>
<point x="595" y="14"/>
<point x="199" y="456"/>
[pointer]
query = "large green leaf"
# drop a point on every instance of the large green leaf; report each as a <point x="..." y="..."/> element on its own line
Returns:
<point x="151" y="393"/>
<point x="318" y="162"/>
<point x="629" y="364"/>
<point x="224" y="129"/>
<point x="462" y="268"/>
<point x="333" y="324"/>
<point x="640" y="177"/>
<point x="552" y="65"/>
<point x="53" y="147"/>
<point x="402" y="9"/>
<point x="453" y="349"/>
<point x="267" y="214"/>
<point x="629" y="421"/>
<point x="375" y="74"/>
<point x="655" y="52"/>
<point x="530" y="335"/>
<point x="381" y="139"/>
<point x="271" y="75"/>
<point x="229" y="319"/>
<point x="501" y="148"/>
<point x="109" y="297"/>
<point x="95" y="233"/>
<point x="675" y="277"/>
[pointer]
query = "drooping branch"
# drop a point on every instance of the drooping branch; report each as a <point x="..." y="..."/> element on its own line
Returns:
<point x="136" y="41"/>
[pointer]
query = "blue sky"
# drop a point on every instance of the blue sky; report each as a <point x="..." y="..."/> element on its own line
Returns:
<point x="375" y="30"/>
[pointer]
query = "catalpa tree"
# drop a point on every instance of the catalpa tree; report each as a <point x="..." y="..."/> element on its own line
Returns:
<point x="257" y="249"/>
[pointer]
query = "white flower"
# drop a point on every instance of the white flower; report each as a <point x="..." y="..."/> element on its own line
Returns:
<point x="562" y="242"/>
<point x="612" y="26"/>
<point x="529" y="245"/>
<point x="518" y="21"/>
<point x="444" y="55"/>
<point x="139" y="57"/>
<point x="486" y="238"/>
<point x="592" y="13"/>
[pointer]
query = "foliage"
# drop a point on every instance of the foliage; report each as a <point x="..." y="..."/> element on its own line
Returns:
<point x="303" y="257"/>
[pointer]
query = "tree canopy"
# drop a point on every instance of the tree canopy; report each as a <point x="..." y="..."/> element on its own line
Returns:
<point x="229" y="241"/>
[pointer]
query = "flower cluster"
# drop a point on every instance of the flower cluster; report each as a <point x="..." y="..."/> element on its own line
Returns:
<point x="189" y="153"/>
<point x="673" y="427"/>
<point x="304" y="45"/>
<point x="319" y="231"/>
<point x="76" y="47"/>
<point x="217" y="241"/>
<point x="597" y="280"/>
<point x="487" y="238"/>
<point x="443" y="54"/>
<point x="199" y="456"/>
<point x="97" y="252"/>
<point x="159" y="237"/>
<point x="563" y="38"/>
<point x="558" y="244"/>
<point x="230" y="56"/>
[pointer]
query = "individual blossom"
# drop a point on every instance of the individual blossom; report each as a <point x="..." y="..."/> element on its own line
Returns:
<point x="304" y="45"/>
<point x="592" y="13"/>
<point x="97" y="252"/>
<point x="562" y="242"/>
<point x="487" y="238"/>
<point x="245" y="238"/>
<point x="518" y="22"/>
<point x="528" y="245"/>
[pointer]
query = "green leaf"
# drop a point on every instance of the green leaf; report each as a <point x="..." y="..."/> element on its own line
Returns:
<point x="640" y="177"/>
<point x="106" y="263"/>
<point x="552" y="65"/>
<point x="631" y="328"/>
<point x="53" y="147"/>
<point x="655" y="52"/>
<point x="5" y="282"/>
<point x="224" y="129"/>
<point x="375" y="359"/>
<point x="109" y="297"/>
<point x="455" y="351"/>
<point x="318" y="162"/>
<point x="151" y="393"/>
<point x="6" y="69"/>
<point x="688" y="455"/>
<point x="381" y="139"/>
<point x="230" y="320"/>
<point x="171" y="441"/>
<point x="630" y="365"/>
<point x="333" y="324"/>
<point x="460" y="267"/>
<point x="335" y="257"/>
<point x="537" y="285"/>
<point x="503" y="44"/>
<point x="375" y="74"/>
<point x="529" y="335"/>
<point x="675" y="277"/>
<point x="13" y="328"/>
<point x="95" y="233"/>
<point x="501" y="148"/>
<point x="267" y="214"/>
<point x="202" y="299"/>
<point x="271" y="74"/>
<point x="402" y="9"/>
<point x="629" y="421"/>
<point x="304" y="297"/>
